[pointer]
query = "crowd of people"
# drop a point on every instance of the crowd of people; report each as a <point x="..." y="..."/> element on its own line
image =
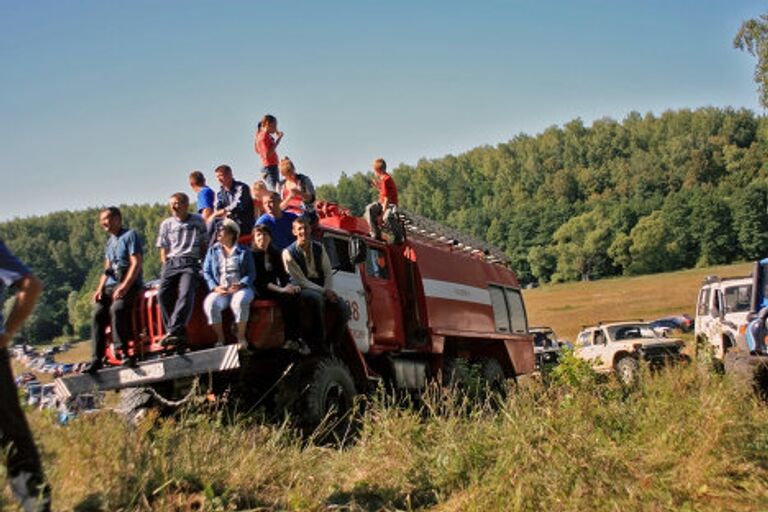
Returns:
<point x="279" y="260"/>
<point x="276" y="216"/>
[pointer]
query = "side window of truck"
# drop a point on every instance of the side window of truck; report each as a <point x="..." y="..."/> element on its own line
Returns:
<point x="376" y="263"/>
<point x="517" y="311"/>
<point x="338" y="252"/>
<point x="703" y="302"/>
<point x="499" y="303"/>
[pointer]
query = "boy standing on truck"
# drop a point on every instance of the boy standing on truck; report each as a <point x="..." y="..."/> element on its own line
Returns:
<point x="16" y="443"/>
<point x="383" y="209"/>
<point x="309" y="267"/>
<point x="182" y="243"/>
<point x="205" y="194"/>
<point x="118" y="287"/>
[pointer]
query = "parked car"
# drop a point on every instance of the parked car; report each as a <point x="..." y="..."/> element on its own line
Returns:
<point x="620" y="346"/>
<point x="670" y="324"/>
<point x="546" y="346"/>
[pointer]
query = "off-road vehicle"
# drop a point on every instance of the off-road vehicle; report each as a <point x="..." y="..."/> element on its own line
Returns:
<point x="620" y="346"/>
<point x="721" y="316"/>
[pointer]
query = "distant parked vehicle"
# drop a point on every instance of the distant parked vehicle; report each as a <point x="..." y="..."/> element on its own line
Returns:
<point x="620" y="346"/>
<point x="546" y="347"/>
<point x="682" y="323"/>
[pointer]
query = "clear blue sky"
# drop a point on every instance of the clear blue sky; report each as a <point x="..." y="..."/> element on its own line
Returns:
<point x="106" y="102"/>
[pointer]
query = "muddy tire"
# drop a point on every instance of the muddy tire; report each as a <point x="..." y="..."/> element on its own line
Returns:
<point x="627" y="370"/>
<point x="456" y="373"/>
<point x="748" y="372"/>
<point x="319" y="395"/>
<point x="494" y="380"/>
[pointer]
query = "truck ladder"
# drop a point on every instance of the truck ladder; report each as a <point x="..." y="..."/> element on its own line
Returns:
<point x="437" y="232"/>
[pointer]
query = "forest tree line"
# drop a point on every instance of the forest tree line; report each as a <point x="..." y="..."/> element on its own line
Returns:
<point x="650" y="193"/>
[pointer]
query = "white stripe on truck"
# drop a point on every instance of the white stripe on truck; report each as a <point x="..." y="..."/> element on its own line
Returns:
<point x="437" y="289"/>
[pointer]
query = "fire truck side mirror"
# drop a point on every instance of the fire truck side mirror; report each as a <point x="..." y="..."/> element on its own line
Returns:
<point x="357" y="251"/>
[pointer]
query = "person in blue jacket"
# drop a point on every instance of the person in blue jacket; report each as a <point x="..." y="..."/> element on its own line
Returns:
<point x="229" y="271"/>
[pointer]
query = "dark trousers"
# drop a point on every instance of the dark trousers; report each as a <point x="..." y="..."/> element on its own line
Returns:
<point x="289" y="308"/>
<point x="314" y="307"/>
<point x="23" y="460"/>
<point x="178" y="282"/>
<point x="116" y="313"/>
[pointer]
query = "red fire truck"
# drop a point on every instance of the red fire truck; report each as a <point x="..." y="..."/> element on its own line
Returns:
<point x="422" y="306"/>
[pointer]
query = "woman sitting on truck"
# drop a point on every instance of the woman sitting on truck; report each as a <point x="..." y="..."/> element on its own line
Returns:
<point x="230" y="273"/>
<point x="272" y="282"/>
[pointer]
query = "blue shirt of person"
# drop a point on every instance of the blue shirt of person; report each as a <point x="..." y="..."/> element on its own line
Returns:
<point x="12" y="270"/>
<point x="205" y="198"/>
<point x="282" y="228"/>
<point x="118" y="252"/>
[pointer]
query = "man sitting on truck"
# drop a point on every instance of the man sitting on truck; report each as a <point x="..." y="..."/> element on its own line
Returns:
<point x="118" y="287"/>
<point x="182" y="243"/>
<point x="309" y="267"/>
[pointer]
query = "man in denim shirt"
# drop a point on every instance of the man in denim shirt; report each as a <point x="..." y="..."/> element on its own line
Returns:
<point x="16" y="443"/>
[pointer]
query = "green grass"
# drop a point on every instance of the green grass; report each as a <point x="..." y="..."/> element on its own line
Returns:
<point x="683" y="440"/>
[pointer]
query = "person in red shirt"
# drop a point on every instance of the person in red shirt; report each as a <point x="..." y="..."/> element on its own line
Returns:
<point x="267" y="140"/>
<point x="384" y="208"/>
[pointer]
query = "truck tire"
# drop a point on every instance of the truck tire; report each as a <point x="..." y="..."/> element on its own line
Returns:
<point x="319" y="392"/>
<point x="627" y="370"/>
<point x="749" y="372"/>
<point x="134" y="404"/>
<point x="456" y="373"/>
<point x="493" y="376"/>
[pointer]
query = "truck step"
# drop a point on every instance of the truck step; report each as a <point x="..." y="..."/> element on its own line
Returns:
<point x="167" y="368"/>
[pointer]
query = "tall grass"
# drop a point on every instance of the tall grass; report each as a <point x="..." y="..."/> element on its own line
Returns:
<point x="681" y="440"/>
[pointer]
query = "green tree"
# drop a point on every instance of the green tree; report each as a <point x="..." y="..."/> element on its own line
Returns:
<point x="753" y="37"/>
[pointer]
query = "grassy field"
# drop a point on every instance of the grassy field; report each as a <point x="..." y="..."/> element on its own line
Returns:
<point x="683" y="440"/>
<point x="566" y="307"/>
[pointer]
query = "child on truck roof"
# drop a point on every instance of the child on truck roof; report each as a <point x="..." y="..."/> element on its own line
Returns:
<point x="382" y="210"/>
<point x="267" y="140"/>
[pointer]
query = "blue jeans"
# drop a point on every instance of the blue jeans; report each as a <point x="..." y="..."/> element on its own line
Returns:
<point x="271" y="176"/>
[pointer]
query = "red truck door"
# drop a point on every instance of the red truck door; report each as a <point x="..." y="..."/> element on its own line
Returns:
<point x="382" y="297"/>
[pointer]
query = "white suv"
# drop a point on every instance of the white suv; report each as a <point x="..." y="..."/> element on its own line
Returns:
<point x="620" y="346"/>
<point x="721" y="311"/>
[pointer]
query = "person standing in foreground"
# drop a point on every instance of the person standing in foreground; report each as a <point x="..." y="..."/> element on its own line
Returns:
<point x="205" y="194"/>
<point x="310" y="269"/>
<point x="384" y="208"/>
<point x="266" y="146"/>
<point x="182" y="244"/>
<point x="25" y="470"/>
<point x="118" y="287"/>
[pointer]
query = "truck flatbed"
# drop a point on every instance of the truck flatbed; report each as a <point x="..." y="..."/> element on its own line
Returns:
<point x="165" y="368"/>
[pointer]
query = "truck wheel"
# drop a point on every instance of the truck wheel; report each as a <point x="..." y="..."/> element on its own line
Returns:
<point x="748" y="372"/>
<point x="134" y="404"/>
<point x="320" y="393"/>
<point x="627" y="370"/>
<point x="456" y="373"/>
<point x="494" y="380"/>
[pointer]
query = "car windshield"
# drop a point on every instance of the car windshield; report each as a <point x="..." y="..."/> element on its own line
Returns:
<point x="630" y="331"/>
<point x="738" y="298"/>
